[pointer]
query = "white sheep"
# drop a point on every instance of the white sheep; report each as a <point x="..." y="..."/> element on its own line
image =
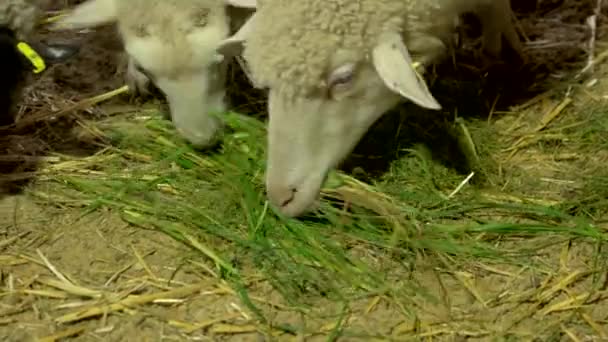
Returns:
<point x="333" y="67"/>
<point x="172" y="43"/>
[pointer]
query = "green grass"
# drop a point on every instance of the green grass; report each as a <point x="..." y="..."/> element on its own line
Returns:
<point x="215" y="202"/>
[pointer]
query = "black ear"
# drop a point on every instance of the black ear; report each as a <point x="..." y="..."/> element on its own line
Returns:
<point x="7" y="33"/>
<point x="13" y="68"/>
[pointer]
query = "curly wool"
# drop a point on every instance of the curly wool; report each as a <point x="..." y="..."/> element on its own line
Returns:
<point x="293" y="42"/>
<point x="20" y="16"/>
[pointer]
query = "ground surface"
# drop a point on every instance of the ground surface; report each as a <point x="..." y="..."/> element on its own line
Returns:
<point x="518" y="256"/>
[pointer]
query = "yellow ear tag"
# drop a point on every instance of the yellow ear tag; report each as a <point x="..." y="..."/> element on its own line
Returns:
<point x="415" y="66"/>
<point x="32" y="56"/>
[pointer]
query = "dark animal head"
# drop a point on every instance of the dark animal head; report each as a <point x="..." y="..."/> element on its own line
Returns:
<point x="13" y="68"/>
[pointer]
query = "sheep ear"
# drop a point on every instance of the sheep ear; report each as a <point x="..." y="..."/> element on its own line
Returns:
<point x="89" y="14"/>
<point x="234" y="45"/>
<point x="394" y="65"/>
<point x="242" y="3"/>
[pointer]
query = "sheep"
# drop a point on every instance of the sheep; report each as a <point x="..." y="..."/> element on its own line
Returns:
<point x="333" y="67"/>
<point x="20" y="55"/>
<point x="173" y="44"/>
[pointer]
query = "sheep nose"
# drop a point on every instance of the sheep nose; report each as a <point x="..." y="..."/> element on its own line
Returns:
<point x="281" y="196"/>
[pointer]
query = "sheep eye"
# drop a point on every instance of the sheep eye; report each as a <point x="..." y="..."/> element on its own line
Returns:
<point x="141" y="69"/>
<point x="141" y="31"/>
<point x="342" y="75"/>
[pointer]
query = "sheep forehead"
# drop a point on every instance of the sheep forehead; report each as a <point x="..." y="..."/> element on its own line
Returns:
<point x="184" y="57"/>
<point x="296" y="48"/>
<point x="168" y="37"/>
<point x="169" y="16"/>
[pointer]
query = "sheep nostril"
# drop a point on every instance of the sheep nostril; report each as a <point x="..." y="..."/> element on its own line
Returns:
<point x="281" y="195"/>
<point x="288" y="196"/>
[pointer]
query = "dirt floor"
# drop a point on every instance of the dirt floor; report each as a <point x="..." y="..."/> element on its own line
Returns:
<point x="103" y="259"/>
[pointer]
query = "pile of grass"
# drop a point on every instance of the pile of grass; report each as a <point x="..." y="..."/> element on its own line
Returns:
<point x="365" y="239"/>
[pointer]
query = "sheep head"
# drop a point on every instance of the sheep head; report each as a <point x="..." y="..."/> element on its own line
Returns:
<point x="311" y="132"/>
<point x="310" y="135"/>
<point x="173" y="43"/>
